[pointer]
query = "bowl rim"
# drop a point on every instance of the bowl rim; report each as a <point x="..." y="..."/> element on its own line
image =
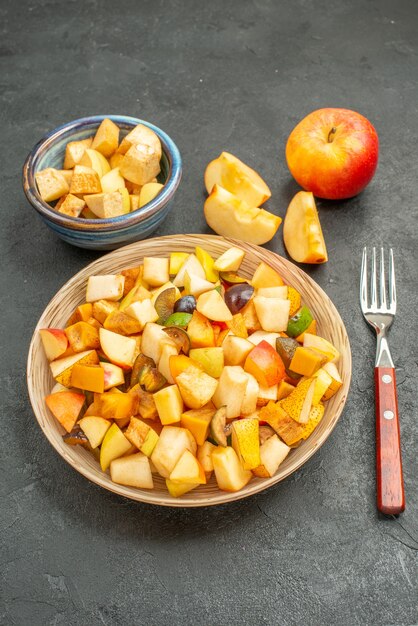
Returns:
<point x="121" y="222"/>
<point x="221" y="497"/>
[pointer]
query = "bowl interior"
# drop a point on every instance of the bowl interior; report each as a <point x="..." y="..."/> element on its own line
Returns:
<point x="72" y="293"/>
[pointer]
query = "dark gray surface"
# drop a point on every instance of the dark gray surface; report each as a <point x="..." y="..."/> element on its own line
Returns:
<point x="215" y="75"/>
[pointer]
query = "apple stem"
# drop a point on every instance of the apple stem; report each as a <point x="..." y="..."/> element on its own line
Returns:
<point x="331" y="134"/>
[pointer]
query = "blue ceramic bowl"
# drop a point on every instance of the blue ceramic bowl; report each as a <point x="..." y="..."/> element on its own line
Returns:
<point x="101" y="234"/>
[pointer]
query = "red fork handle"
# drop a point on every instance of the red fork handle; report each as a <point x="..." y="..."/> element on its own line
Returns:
<point x="390" y="489"/>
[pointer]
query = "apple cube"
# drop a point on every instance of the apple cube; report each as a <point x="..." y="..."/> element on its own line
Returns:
<point x="336" y="383"/>
<point x="212" y="305"/>
<point x="273" y="292"/>
<point x="141" y="134"/>
<point x="266" y="276"/>
<point x="249" y="402"/>
<point x="114" y="445"/>
<point x="231" y="390"/>
<point x="66" y="407"/>
<point x="321" y="345"/>
<point x="148" y="192"/>
<point x="84" y="181"/>
<point x="246" y="443"/>
<point x="102" y="309"/>
<point x="261" y="335"/>
<point x="143" y="312"/>
<point x="195" y="285"/>
<point x="94" y="428"/>
<point x="141" y="164"/>
<point x="70" y="205"/>
<point x="54" y="341"/>
<point x="323" y="382"/>
<point x="106" y="139"/>
<point x="120" y="350"/>
<point x="179" y="489"/>
<point x="95" y="160"/>
<point x="196" y="387"/>
<point x="133" y="471"/>
<point x="169" y="404"/>
<point x="272" y="453"/>
<point x="172" y="443"/>
<point x="211" y="359"/>
<point x="230" y="475"/>
<point x="156" y="271"/>
<point x="236" y="349"/>
<point x="51" y="184"/>
<point x="230" y="260"/>
<point x="74" y="151"/>
<point x="267" y="394"/>
<point x="153" y="340"/>
<point x="141" y="435"/>
<point x="188" y="470"/>
<point x="108" y="204"/>
<point x="273" y="313"/>
<point x="108" y="287"/>
<point x="192" y="266"/>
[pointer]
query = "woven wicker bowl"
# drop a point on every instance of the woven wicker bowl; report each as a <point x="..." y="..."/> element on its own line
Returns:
<point x="72" y="293"/>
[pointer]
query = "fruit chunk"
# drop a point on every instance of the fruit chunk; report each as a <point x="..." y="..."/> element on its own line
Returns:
<point x="302" y="233"/>
<point x="143" y="312"/>
<point x="249" y="402"/>
<point x="70" y="205"/>
<point x="272" y="453"/>
<point x="188" y="470"/>
<point x="298" y="403"/>
<point x="230" y="260"/>
<point x="141" y="164"/>
<point x="265" y="365"/>
<point x="198" y="422"/>
<point x="273" y="292"/>
<point x="116" y="405"/>
<point x="273" y="313"/>
<point x="106" y="139"/>
<point x="176" y="261"/>
<point x="88" y="377"/>
<point x="169" y="404"/>
<point x="239" y="179"/>
<point x="207" y="262"/>
<point x="200" y="331"/>
<point x="141" y="134"/>
<point x="315" y="415"/>
<point x="85" y="181"/>
<point x="323" y="382"/>
<point x="204" y="456"/>
<point x="66" y="407"/>
<point x="218" y="427"/>
<point x="82" y="336"/>
<point x="238" y="296"/>
<point x="230" y="475"/>
<point x="336" y="383"/>
<point x="195" y="286"/>
<point x="321" y="345"/>
<point x="266" y="276"/>
<point x="74" y="151"/>
<point x="141" y="435"/>
<point x="54" y="341"/>
<point x="236" y="349"/>
<point x="262" y="335"/>
<point x="196" y="387"/>
<point x="212" y="305"/>
<point x="114" y="445"/>
<point x="172" y="443"/>
<point x="299" y="322"/>
<point x="61" y="368"/>
<point x="94" y="428"/>
<point x="287" y="428"/>
<point x="133" y="471"/>
<point x="211" y="359"/>
<point x="191" y="265"/>
<point x="153" y="340"/>
<point x="231" y="390"/>
<point x="306" y="361"/>
<point x="246" y="443"/>
<point x="51" y="184"/>
<point x="108" y="287"/>
<point x="179" y="489"/>
<point x="156" y="271"/>
<point x="229" y="216"/>
<point x="96" y="160"/>
<point x="148" y="192"/>
<point x="119" y="349"/>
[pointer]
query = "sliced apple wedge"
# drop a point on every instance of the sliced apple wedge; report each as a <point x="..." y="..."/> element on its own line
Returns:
<point x="302" y="232"/>
<point x="108" y="287"/>
<point x="230" y="475"/>
<point x="54" y="341"/>
<point x="188" y="470"/>
<point x="273" y="452"/>
<point x="133" y="471"/>
<point x="212" y="305"/>
<point x="237" y="178"/>
<point x="120" y="350"/>
<point x="229" y="216"/>
<point x="230" y="260"/>
<point x="114" y="445"/>
<point x="94" y="428"/>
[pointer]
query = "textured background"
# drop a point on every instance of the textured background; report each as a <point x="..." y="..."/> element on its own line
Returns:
<point x="215" y="75"/>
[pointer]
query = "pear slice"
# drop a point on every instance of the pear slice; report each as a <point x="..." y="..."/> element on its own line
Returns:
<point x="230" y="216"/>
<point x="239" y="179"/>
<point x="302" y="232"/>
<point x="299" y="403"/>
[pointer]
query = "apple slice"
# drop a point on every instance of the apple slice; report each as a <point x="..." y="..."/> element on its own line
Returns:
<point x="114" y="445"/>
<point x="188" y="470"/>
<point x="191" y="265"/>
<point x="195" y="286"/>
<point x="54" y="341"/>
<point x="94" y="428"/>
<point x="237" y="178"/>
<point x="112" y="181"/>
<point x="273" y="313"/>
<point x="108" y="287"/>
<point x="230" y="260"/>
<point x="120" y="350"/>
<point x="336" y="383"/>
<point x="229" y="216"/>
<point x="273" y="452"/>
<point x="212" y="305"/>
<point x="230" y="475"/>
<point x="133" y="471"/>
<point x="95" y="160"/>
<point x="231" y="390"/>
<point x="302" y="232"/>
<point x="62" y="368"/>
<point x="66" y="407"/>
<point x="172" y="443"/>
<point x="321" y="345"/>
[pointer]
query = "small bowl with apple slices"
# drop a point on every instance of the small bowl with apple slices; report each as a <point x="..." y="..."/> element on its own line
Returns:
<point x="103" y="181"/>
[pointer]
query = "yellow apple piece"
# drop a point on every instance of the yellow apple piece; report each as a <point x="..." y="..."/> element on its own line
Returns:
<point x="102" y="308"/>
<point x="298" y="403"/>
<point x="95" y="160"/>
<point x="65" y="407"/>
<point x="152" y="341"/>
<point x="85" y="180"/>
<point x="140" y="164"/>
<point x="272" y="453"/>
<point x="70" y="205"/>
<point x="106" y="139"/>
<point x="148" y="192"/>
<point x="321" y="345"/>
<point x="51" y="184"/>
<point x="105" y="287"/>
<point x="188" y="470"/>
<point x="273" y="313"/>
<point x="238" y="178"/>
<point x="88" y="377"/>
<point x="212" y="305"/>
<point x="323" y="382"/>
<point x="141" y="134"/>
<point x="207" y="263"/>
<point x="229" y="216"/>
<point x="246" y="443"/>
<point x="156" y="271"/>
<point x="204" y="456"/>
<point x="133" y="471"/>
<point x="236" y="349"/>
<point x="336" y="383"/>
<point x="62" y="368"/>
<point x="172" y="443"/>
<point x="266" y="276"/>
<point x="119" y="349"/>
<point x="211" y="359"/>
<point x="143" y="312"/>
<point x="169" y="404"/>
<point x="262" y="335"/>
<point x="106" y="205"/>
<point x="179" y="489"/>
<point x="196" y="387"/>
<point x="273" y="292"/>
<point x="191" y="265"/>
<point x="195" y="286"/>
<point x="302" y="232"/>
<point x="112" y="181"/>
<point x="114" y="445"/>
<point x="198" y="422"/>
<point x="229" y="473"/>
<point x="167" y="352"/>
<point x="94" y="428"/>
<point x="230" y="260"/>
<point x="231" y="390"/>
<point x="176" y="261"/>
<point x="54" y="341"/>
<point x="74" y="151"/>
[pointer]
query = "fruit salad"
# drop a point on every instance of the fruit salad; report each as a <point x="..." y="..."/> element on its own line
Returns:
<point x="185" y="368"/>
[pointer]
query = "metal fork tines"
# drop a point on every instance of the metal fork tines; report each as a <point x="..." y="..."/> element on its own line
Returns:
<point x="380" y="308"/>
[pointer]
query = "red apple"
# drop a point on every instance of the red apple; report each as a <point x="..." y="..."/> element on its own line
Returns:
<point x="54" y="341"/>
<point x="333" y="153"/>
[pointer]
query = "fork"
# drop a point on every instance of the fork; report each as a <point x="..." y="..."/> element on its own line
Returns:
<point x="379" y="311"/>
